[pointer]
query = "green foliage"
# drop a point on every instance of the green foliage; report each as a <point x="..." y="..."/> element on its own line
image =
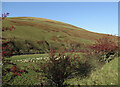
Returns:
<point x="58" y="67"/>
<point x="84" y="69"/>
<point x="105" y="47"/>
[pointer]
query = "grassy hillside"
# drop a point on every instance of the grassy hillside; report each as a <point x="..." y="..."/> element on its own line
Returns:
<point x="38" y="35"/>
<point x="42" y="34"/>
<point x="45" y="29"/>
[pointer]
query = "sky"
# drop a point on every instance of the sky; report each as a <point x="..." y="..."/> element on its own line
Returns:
<point x="100" y="17"/>
<point x="60" y="0"/>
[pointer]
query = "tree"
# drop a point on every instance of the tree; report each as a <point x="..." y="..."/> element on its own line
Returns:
<point x="106" y="46"/>
<point x="58" y="67"/>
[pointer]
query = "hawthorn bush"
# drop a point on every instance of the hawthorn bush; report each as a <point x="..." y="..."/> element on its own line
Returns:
<point x="7" y="49"/>
<point x="95" y="56"/>
<point x="58" y="67"/>
<point x="105" y="48"/>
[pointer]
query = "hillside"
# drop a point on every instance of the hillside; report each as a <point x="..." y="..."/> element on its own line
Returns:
<point x="107" y="75"/>
<point x="43" y="34"/>
<point x="36" y="36"/>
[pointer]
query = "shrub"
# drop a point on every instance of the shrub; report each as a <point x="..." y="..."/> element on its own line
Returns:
<point x="7" y="49"/>
<point x="58" y="67"/>
<point x="105" y="46"/>
<point x="84" y="69"/>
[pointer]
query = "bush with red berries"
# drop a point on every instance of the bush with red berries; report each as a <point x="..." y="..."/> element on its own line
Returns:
<point x="105" y="49"/>
<point x="7" y="51"/>
<point x="58" y="67"/>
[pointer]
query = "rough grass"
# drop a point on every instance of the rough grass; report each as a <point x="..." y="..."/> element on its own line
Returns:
<point x="18" y="57"/>
<point x="56" y="34"/>
<point x="28" y="28"/>
<point x="107" y="75"/>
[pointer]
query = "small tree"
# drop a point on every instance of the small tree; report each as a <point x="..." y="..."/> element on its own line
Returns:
<point x="58" y="67"/>
<point x="105" y="46"/>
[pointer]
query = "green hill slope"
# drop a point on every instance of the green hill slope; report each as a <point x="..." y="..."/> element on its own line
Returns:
<point x="42" y="34"/>
<point x="107" y="75"/>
